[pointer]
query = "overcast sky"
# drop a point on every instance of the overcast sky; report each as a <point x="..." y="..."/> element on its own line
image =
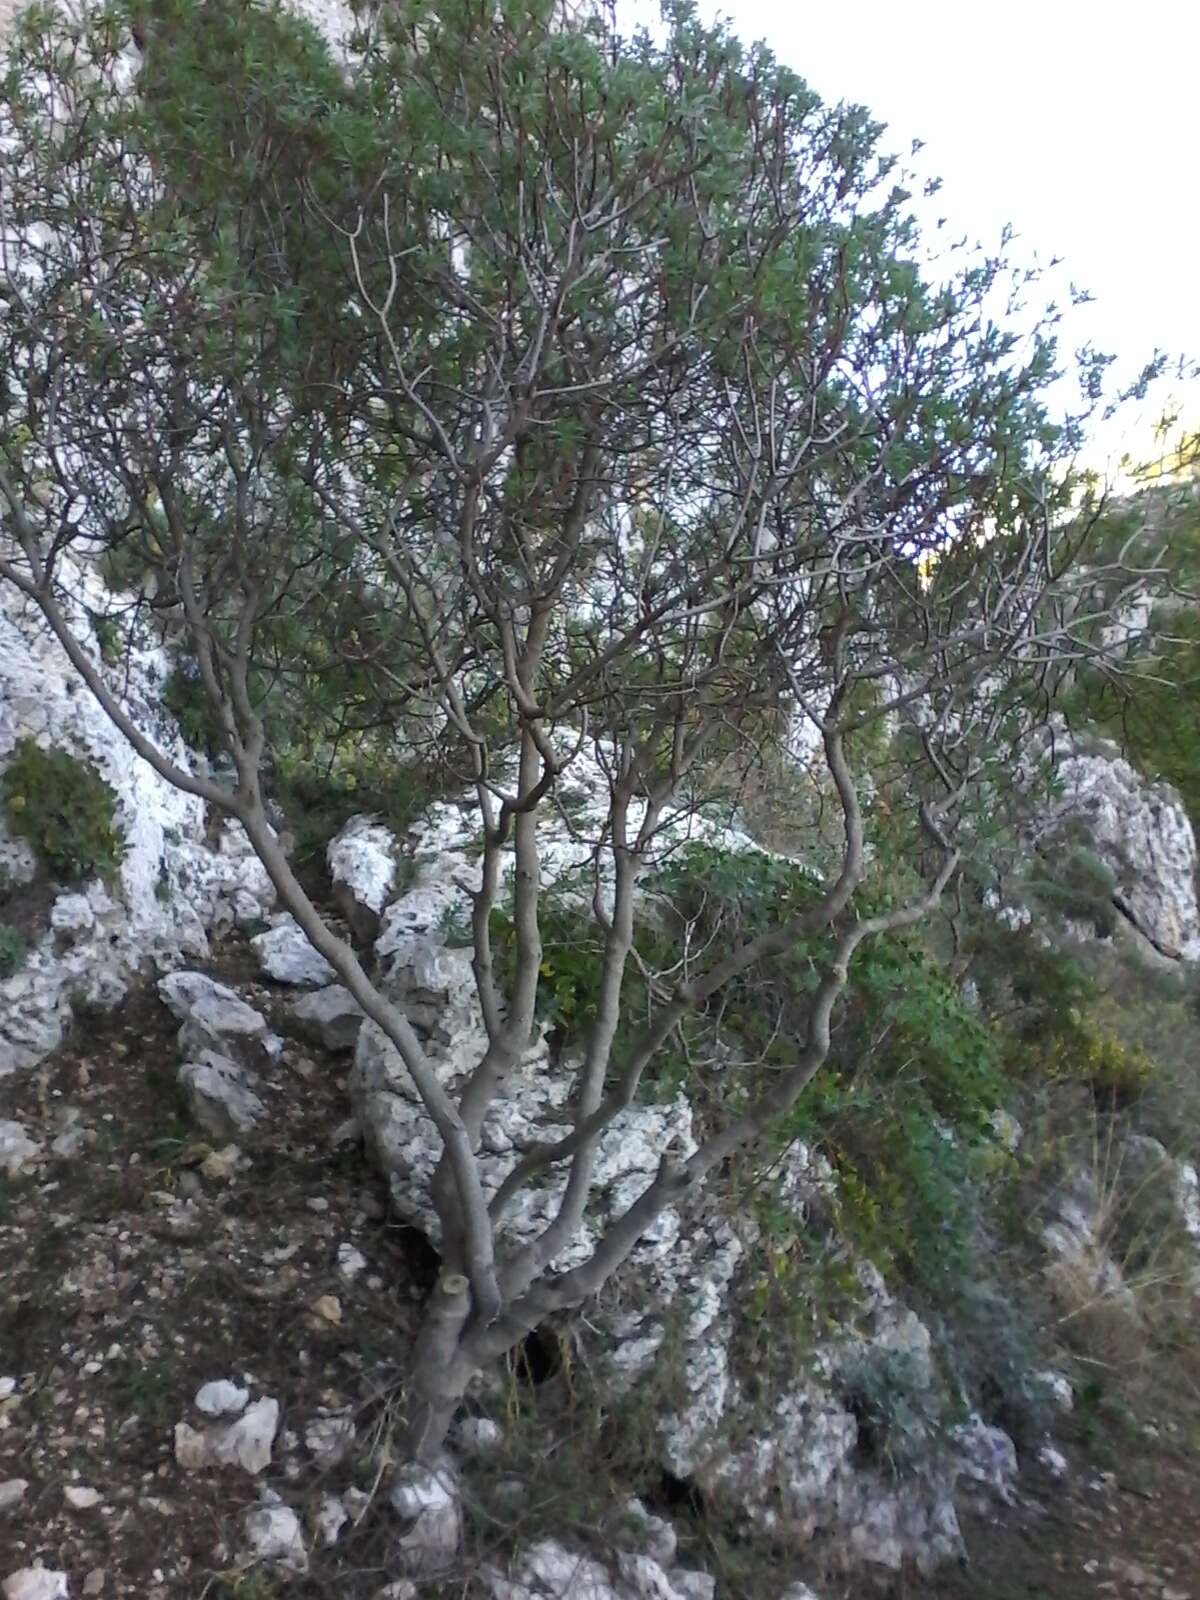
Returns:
<point x="1078" y="123"/>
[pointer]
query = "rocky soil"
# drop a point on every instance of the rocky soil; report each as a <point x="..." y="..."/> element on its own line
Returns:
<point x="145" y="1261"/>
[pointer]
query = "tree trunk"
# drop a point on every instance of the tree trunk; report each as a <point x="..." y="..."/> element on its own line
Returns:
<point x="440" y="1371"/>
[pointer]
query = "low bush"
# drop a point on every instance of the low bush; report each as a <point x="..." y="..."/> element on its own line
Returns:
<point x="65" y="810"/>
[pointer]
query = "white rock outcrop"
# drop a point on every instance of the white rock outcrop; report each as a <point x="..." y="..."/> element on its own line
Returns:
<point x="787" y="1477"/>
<point x="1143" y="833"/>
<point x="176" y="881"/>
<point x="363" y="860"/>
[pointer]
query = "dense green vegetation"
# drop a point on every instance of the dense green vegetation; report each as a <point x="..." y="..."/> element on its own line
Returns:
<point x="64" y="808"/>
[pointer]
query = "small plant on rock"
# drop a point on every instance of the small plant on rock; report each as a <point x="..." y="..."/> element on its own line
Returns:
<point x="12" y="950"/>
<point x="64" y="808"/>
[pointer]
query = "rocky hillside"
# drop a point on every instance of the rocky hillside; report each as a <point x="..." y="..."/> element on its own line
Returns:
<point x="216" y="1214"/>
<point x="599" y="912"/>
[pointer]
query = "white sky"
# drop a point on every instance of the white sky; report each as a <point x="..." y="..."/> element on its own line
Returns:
<point x="1078" y="123"/>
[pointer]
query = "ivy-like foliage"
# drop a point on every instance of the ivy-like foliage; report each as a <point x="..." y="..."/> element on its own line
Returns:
<point x="66" y="811"/>
<point x="12" y="950"/>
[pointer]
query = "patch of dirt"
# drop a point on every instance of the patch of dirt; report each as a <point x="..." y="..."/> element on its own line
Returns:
<point x="130" y="1278"/>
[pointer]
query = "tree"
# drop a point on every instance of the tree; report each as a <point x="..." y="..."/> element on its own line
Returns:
<point x="519" y="390"/>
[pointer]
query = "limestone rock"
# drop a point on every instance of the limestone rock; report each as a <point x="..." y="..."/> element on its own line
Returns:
<point x="81" y="1497"/>
<point x="221" y="1398"/>
<point x="220" y="1020"/>
<point x="549" y="1570"/>
<point x="18" y="1151"/>
<point x="274" y="1535"/>
<point x="430" y="1501"/>
<point x="1143" y="833"/>
<point x="36" y="1583"/>
<point x="174" y="884"/>
<point x="12" y="1492"/>
<point x="184" y="992"/>
<point x="362" y="864"/>
<point x="351" y="1261"/>
<point x="331" y="1016"/>
<point x="654" y="1536"/>
<point x="987" y="1456"/>
<point x="245" y="1443"/>
<point x="330" y="1518"/>
<point x="286" y="955"/>
<point x="477" y="1436"/>
<point x="220" y="1096"/>
<point x="331" y="1438"/>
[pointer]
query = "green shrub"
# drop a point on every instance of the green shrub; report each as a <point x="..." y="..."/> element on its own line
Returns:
<point x="902" y="1411"/>
<point x="12" y="950"/>
<point x="184" y="697"/>
<point x="319" y="796"/>
<point x="1116" y="1072"/>
<point x="64" y="808"/>
<point x="110" y="637"/>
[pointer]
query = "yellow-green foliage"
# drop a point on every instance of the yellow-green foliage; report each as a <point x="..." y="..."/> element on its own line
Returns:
<point x="1084" y="1051"/>
<point x="64" y="808"/>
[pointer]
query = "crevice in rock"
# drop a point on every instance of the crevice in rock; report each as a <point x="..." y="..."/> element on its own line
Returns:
<point x="421" y="1260"/>
<point x="675" y="1498"/>
<point x="1123" y="910"/>
<point x="538" y="1358"/>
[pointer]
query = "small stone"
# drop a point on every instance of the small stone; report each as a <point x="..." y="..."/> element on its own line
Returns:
<point x="317" y="1203"/>
<point x="93" y="1584"/>
<point x="7" y="1386"/>
<point x="17" y="1150"/>
<point x="328" y="1308"/>
<point x="81" y="1497"/>
<point x="329" y="1519"/>
<point x="36" y="1583"/>
<point x="330" y="1438"/>
<point x="275" y="1535"/>
<point x="191" y="1448"/>
<point x="350" y="1262"/>
<point x="1055" y="1387"/>
<point x="221" y="1398"/>
<point x="478" y="1436"/>
<point x="220" y="1165"/>
<point x="1054" y="1461"/>
<point x="12" y="1492"/>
